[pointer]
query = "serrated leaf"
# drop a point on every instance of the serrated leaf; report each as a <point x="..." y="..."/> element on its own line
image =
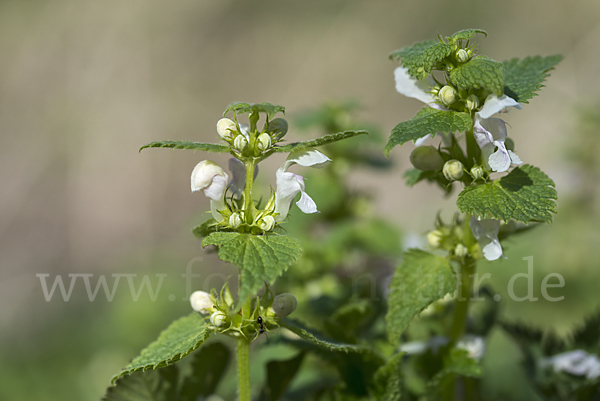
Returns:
<point x="428" y="121"/>
<point x="465" y="34"/>
<point x="324" y="140"/>
<point x="260" y="257"/>
<point x="279" y="376"/>
<point x="156" y="385"/>
<point x="526" y="194"/>
<point x="412" y="57"/>
<point x="317" y="339"/>
<point x="434" y="54"/>
<point x="176" y="342"/>
<point x="268" y="108"/>
<point x="207" y="147"/>
<point x="457" y="363"/>
<point x="388" y="379"/>
<point x="420" y="280"/>
<point x="479" y="73"/>
<point x="522" y="78"/>
<point x="204" y="229"/>
<point x="207" y="369"/>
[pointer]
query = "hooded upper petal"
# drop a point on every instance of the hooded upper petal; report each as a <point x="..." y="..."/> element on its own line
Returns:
<point x="211" y="178"/>
<point x="494" y="104"/>
<point x="411" y="87"/>
<point x="306" y="158"/>
<point x="490" y="134"/>
<point x="486" y="232"/>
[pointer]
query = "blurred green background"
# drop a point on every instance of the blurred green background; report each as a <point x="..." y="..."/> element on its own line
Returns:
<point x="83" y="84"/>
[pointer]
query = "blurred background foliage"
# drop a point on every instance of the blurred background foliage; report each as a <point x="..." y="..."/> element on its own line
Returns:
<point x="84" y="84"/>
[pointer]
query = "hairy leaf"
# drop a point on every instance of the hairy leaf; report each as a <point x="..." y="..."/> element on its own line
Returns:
<point x="324" y="140"/>
<point x="260" y="257"/>
<point x="412" y="57"/>
<point x="465" y="34"/>
<point x="316" y="339"/>
<point x="388" y="379"/>
<point x="204" y="229"/>
<point x="207" y="147"/>
<point x="176" y="342"/>
<point x="435" y="54"/>
<point x="268" y="108"/>
<point x="479" y="73"/>
<point x="207" y="368"/>
<point x="156" y="385"/>
<point x="420" y="280"/>
<point x="428" y="121"/>
<point x="525" y="194"/>
<point x="522" y="78"/>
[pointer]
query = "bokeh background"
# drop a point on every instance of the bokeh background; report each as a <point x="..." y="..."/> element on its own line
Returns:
<point x="83" y="84"/>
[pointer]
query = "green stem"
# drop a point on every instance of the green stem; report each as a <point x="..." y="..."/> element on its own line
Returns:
<point x="249" y="207"/>
<point x="464" y="296"/>
<point x="473" y="151"/>
<point x="243" y="368"/>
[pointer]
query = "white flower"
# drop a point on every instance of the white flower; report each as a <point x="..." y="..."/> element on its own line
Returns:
<point x="218" y="319"/>
<point x="238" y="176"/>
<point x="210" y="178"/>
<point x="491" y="133"/>
<point x="235" y="220"/>
<point x="418" y="89"/>
<point x="474" y="345"/>
<point x="267" y="224"/>
<point x="290" y="184"/>
<point x="577" y="362"/>
<point x="225" y="127"/>
<point x="264" y="141"/>
<point x="201" y="302"/>
<point x="486" y="232"/>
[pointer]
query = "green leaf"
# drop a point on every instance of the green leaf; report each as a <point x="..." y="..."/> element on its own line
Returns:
<point x="268" y="108"/>
<point x="522" y="78"/>
<point x="434" y="54"/>
<point x="279" y="376"/>
<point x="457" y="363"/>
<point x="479" y="73"/>
<point x="465" y="34"/>
<point x="207" y="369"/>
<point x="420" y="280"/>
<point x="525" y="194"/>
<point x="298" y="329"/>
<point x="204" y="229"/>
<point x="260" y="257"/>
<point x="412" y="57"/>
<point x="207" y="147"/>
<point x="176" y="342"/>
<point x="156" y="385"/>
<point x="428" y="121"/>
<point x="324" y="140"/>
<point x="388" y="379"/>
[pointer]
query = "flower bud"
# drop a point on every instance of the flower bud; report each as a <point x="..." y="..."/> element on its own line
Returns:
<point x="447" y="95"/>
<point x="284" y="304"/>
<point x="461" y="251"/>
<point x="278" y="128"/>
<point x="218" y="319"/>
<point x="462" y="55"/>
<point x="477" y="172"/>
<point x="267" y="223"/>
<point x="235" y="220"/>
<point x="472" y="102"/>
<point x="264" y="141"/>
<point x="453" y="170"/>
<point x="201" y="302"/>
<point x="240" y="142"/>
<point x="211" y="178"/>
<point x="225" y="126"/>
<point x="426" y="158"/>
<point x="434" y="238"/>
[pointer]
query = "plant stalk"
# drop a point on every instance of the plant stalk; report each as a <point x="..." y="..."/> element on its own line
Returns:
<point x="243" y="368"/>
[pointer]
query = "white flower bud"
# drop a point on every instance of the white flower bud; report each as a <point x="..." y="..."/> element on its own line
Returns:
<point x="212" y="179"/>
<point x="201" y="302"/>
<point x="240" y="142"/>
<point x="472" y="102"/>
<point x="477" y="172"/>
<point x="434" y="238"/>
<point x="267" y="224"/>
<point x="225" y="126"/>
<point x="235" y="220"/>
<point x="264" y="141"/>
<point x="217" y="319"/>
<point x="461" y="251"/>
<point x="426" y="158"/>
<point x="453" y="170"/>
<point x="284" y="304"/>
<point x="462" y="55"/>
<point x="447" y="95"/>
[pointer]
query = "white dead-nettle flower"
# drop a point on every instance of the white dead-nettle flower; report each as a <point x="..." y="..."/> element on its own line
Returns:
<point x="235" y="220"/>
<point x="577" y="362"/>
<point x="284" y="304"/>
<point x="264" y="141"/>
<point x="486" y="233"/>
<point x="453" y="170"/>
<point x="290" y="184"/>
<point x="225" y="128"/>
<point x="201" y="302"/>
<point x="474" y="345"/>
<point x="267" y="223"/>
<point x="218" y="319"/>
<point x="212" y="180"/>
